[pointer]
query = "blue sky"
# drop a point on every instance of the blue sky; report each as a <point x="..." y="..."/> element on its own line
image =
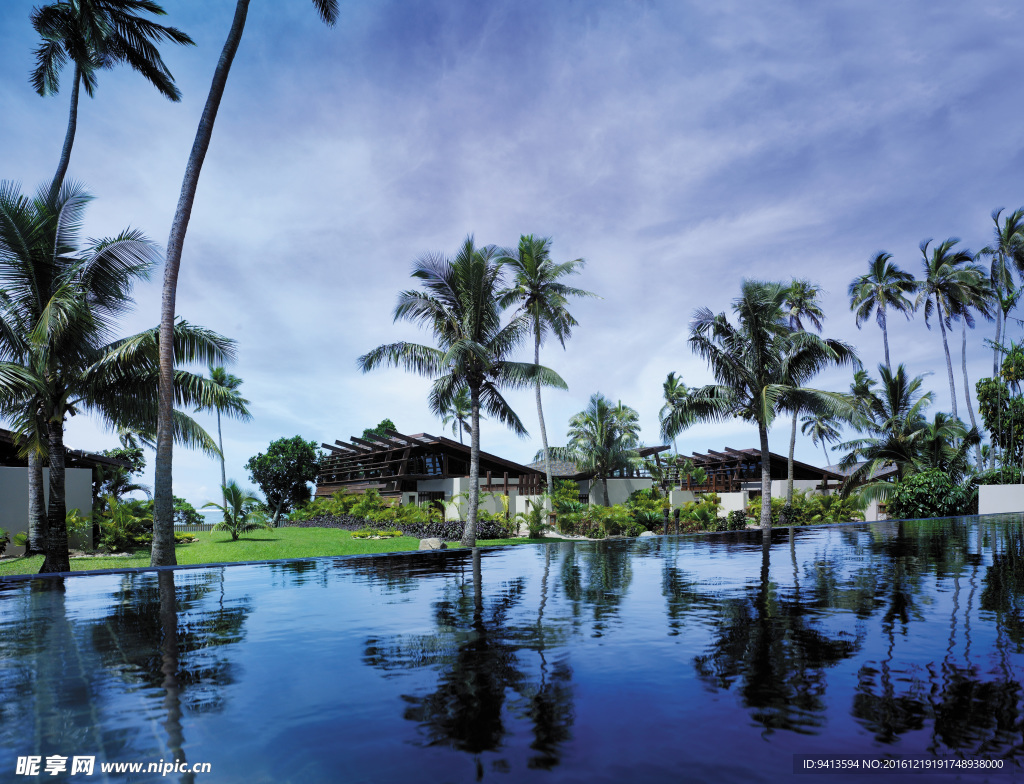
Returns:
<point x="676" y="146"/>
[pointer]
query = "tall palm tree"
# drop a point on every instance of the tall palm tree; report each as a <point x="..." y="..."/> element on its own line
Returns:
<point x="979" y="297"/>
<point x="1006" y="252"/>
<point x="944" y="445"/>
<point x="884" y="287"/>
<point x="163" y="506"/>
<point x="537" y="289"/>
<point x="822" y="429"/>
<point x="672" y="415"/>
<point x="93" y="35"/>
<point x="948" y="284"/>
<point x="603" y="438"/>
<point x="230" y="383"/>
<point x="755" y="362"/>
<point x="59" y="311"/>
<point x="458" y="413"/>
<point x="461" y="306"/>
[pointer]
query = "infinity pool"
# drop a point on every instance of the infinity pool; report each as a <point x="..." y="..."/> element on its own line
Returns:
<point x="724" y="658"/>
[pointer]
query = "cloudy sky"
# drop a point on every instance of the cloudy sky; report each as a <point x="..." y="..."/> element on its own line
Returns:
<point x="677" y="147"/>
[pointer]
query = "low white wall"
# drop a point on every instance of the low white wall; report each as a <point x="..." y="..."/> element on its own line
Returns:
<point x="679" y="497"/>
<point x="618" y="489"/>
<point x="14" y="500"/>
<point x="732" y="502"/>
<point x="996" y="499"/>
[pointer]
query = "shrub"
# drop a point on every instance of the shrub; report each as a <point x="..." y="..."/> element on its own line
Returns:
<point x="535" y="518"/>
<point x="367" y="533"/>
<point x="125" y="526"/>
<point x="21" y="539"/>
<point x="931" y="494"/>
<point x="5" y="539"/>
<point x="736" y="520"/>
<point x="184" y="512"/>
<point x="800" y="512"/>
<point x="1009" y="475"/>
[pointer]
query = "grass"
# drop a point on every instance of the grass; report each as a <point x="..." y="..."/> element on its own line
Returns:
<point x="271" y="544"/>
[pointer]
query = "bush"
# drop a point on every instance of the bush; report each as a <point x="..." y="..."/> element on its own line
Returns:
<point x="1010" y="475"/>
<point x="736" y="520"/>
<point x="21" y="539"/>
<point x="800" y="512"/>
<point x="931" y="494"/>
<point x="367" y="533"/>
<point x="184" y="512"/>
<point x="5" y="539"/>
<point x="126" y="526"/>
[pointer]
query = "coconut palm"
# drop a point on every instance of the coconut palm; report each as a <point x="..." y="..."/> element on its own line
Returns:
<point x="230" y="383"/>
<point x="458" y="413"/>
<point x="603" y="438"/>
<point x="60" y="307"/>
<point x="240" y="510"/>
<point x="884" y="287"/>
<point x="537" y="289"/>
<point x="978" y="297"/>
<point x="755" y="363"/>
<point x="461" y="306"/>
<point x="93" y="35"/>
<point x="822" y="429"/>
<point x="1006" y="252"/>
<point x="948" y="284"/>
<point x="672" y="415"/>
<point x="944" y="446"/>
<point x="163" y="507"/>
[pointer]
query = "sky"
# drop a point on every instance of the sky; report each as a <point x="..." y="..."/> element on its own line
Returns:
<point x="677" y="147"/>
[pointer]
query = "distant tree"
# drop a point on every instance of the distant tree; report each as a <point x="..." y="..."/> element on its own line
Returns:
<point x="381" y="429"/>
<point x="822" y="429"/>
<point x="284" y="471"/>
<point x="672" y="415"/>
<point x="240" y="510"/>
<point x="235" y="406"/>
<point x="884" y="287"/>
<point x="1006" y="252"/>
<point x="458" y="413"/>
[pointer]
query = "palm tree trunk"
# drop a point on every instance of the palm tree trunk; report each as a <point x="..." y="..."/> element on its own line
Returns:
<point x="56" y="521"/>
<point x="885" y="336"/>
<point x="967" y="392"/>
<point x="824" y="449"/>
<point x="999" y="329"/>
<point x="789" y="463"/>
<point x="163" y="506"/>
<point x="540" y="417"/>
<point x="69" y="137"/>
<point x="766" y="480"/>
<point x="36" y="505"/>
<point x="223" y="471"/>
<point x="949" y="362"/>
<point x="469" y="534"/>
<point x="604" y="485"/>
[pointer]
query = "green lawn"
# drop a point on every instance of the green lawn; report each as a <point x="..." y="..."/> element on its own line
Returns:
<point x="217" y="547"/>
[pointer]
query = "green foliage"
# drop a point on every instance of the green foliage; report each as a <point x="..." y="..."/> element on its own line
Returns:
<point x="931" y="494"/>
<point x="381" y="429"/>
<point x="241" y="511"/>
<point x="284" y="471"/>
<point x="800" y="513"/>
<point x="185" y="513"/>
<point x="125" y="526"/>
<point x="5" y="539"/>
<point x="134" y="456"/>
<point x="598" y="522"/>
<point x="535" y="518"/>
<point x="1009" y="475"/>
<point x="371" y="533"/>
<point x="736" y="520"/>
<point x="20" y="539"/>
<point x="1003" y="415"/>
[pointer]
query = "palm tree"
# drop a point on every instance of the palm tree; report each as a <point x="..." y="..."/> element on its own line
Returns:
<point x="1007" y="247"/>
<point x="92" y="35"/>
<point x="59" y="310"/>
<point x="885" y="286"/>
<point x="461" y="306"/>
<point x="944" y="445"/>
<point x="163" y="507"/>
<point x="672" y="415"/>
<point x="240" y="510"/>
<point x="949" y="282"/>
<point x="755" y="363"/>
<point x="977" y="297"/>
<point x="537" y="290"/>
<point x="603" y="438"/>
<point x="230" y="383"/>
<point x="822" y="429"/>
<point x="458" y="412"/>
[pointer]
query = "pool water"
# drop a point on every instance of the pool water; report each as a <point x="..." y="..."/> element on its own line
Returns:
<point x="718" y="658"/>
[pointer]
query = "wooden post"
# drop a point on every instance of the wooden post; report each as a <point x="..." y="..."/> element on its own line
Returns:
<point x="676" y="514"/>
<point x="666" y="522"/>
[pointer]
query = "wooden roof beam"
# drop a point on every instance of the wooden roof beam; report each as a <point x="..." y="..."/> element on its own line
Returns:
<point x="361" y="450"/>
<point x="374" y="446"/>
<point x="394" y="435"/>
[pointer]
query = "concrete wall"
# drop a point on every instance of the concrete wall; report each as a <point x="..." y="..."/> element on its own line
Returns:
<point x="679" y="497"/>
<point x="732" y="502"/>
<point x="618" y="489"/>
<point x="14" y="500"/>
<point x="996" y="499"/>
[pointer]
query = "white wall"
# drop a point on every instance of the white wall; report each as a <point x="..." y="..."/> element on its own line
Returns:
<point x="14" y="499"/>
<point x="995" y="499"/>
<point x="732" y="502"/>
<point x="618" y="489"/>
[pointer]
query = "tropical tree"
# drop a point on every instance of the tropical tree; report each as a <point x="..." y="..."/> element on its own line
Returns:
<point x="59" y="311"/>
<point x="458" y="412"/>
<point x="672" y="415"/>
<point x="230" y="383"/>
<point x="539" y="292"/>
<point x="949" y="282"/>
<point x="603" y="438"/>
<point x="944" y="446"/>
<point x="163" y="516"/>
<point x="93" y="35"/>
<point x="822" y="429"/>
<point x="884" y="287"/>
<point x="1006" y="252"/>
<point x="283" y="473"/>
<point x="979" y="297"/>
<point x="240" y="510"/>
<point x="461" y="306"/>
<point x="756" y="363"/>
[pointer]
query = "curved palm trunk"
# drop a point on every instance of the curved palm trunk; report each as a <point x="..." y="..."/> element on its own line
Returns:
<point x="824" y="449"/>
<point x="766" y="480"/>
<point x="223" y="471"/>
<point x="36" y="505"/>
<point x="967" y="392"/>
<point x="949" y="362"/>
<point x="540" y="418"/>
<point x="163" y="506"/>
<point x="999" y="329"/>
<point x="885" y="336"/>
<point x="469" y="533"/>
<point x="789" y="463"/>
<point x="604" y="486"/>
<point x="57" y="559"/>
<point x="69" y="137"/>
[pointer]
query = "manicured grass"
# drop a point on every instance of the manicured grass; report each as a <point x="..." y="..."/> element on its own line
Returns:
<point x="217" y="547"/>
